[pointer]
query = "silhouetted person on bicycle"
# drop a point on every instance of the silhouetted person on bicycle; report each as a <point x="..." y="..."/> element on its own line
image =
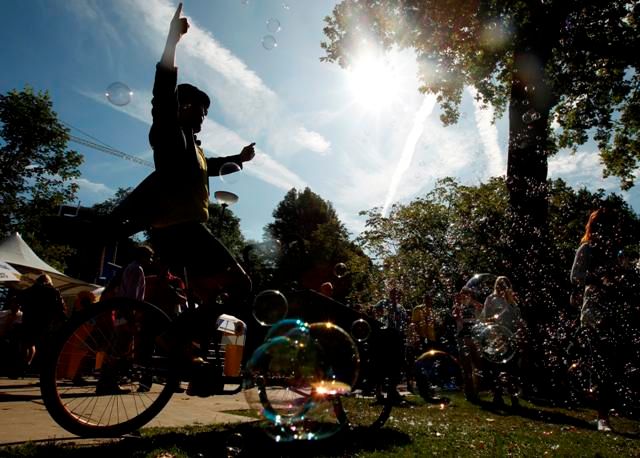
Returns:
<point x="174" y="199"/>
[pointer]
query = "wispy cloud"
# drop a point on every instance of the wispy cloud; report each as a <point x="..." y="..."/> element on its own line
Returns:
<point x="237" y="91"/>
<point x="90" y="187"/>
<point x="496" y="164"/>
<point x="409" y="148"/>
<point x="583" y="168"/>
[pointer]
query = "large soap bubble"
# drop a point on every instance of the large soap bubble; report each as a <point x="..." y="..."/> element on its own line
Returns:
<point x="497" y="343"/>
<point x="269" y="307"/>
<point x="481" y="285"/>
<point x="435" y="371"/>
<point x="119" y="94"/>
<point x="295" y="378"/>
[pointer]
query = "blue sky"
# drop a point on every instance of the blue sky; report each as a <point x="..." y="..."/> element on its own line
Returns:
<point x="359" y="142"/>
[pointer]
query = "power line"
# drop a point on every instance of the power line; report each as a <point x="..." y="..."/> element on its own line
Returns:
<point x="103" y="147"/>
<point x="112" y="151"/>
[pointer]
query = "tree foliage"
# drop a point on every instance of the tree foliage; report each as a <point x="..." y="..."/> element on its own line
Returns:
<point x="437" y="242"/>
<point x="38" y="171"/>
<point x="553" y="63"/>
<point x="226" y="227"/>
<point x="312" y="242"/>
<point x="574" y="62"/>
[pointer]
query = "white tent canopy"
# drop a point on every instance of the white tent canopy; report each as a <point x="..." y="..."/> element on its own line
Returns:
<point x="16" y="252"/>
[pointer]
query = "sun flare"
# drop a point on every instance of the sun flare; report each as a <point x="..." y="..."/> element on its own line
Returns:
<point x="373" y="82"/>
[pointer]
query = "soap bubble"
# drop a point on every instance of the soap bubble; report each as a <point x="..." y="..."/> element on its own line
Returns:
<point x="269" y="42"/>
<point x="269" y="307"/>
<point x="340" y="270"/>
<point x="229" y="172"/>
<point x="360" y="330"/>
<point x="582" y="382"/>
<point x="436" y="370"/>
<point x="273" y="25"/>
<point x="530" y="116"/>
<point x="119" y="94"/>
<point x="481" y="285"/>
<point x="285" y="6"/>
<point x="295" y="378"/>
<point x="496" y="342"/>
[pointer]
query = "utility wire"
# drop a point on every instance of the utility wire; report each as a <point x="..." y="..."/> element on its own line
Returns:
<point x="103" y="147"/>
<point x="112" y="151"/>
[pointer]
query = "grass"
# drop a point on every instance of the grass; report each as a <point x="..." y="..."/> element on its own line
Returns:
<point x="414" y="429"/>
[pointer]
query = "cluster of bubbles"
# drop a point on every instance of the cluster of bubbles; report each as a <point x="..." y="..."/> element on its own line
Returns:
<point x="530" y="116"/>
<point x="119" y="94"/>
<point x="269" y="41"/>
<point x="295" y="379"/>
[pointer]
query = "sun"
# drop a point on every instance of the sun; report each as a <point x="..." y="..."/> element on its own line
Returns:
<point x="373" y="81"/>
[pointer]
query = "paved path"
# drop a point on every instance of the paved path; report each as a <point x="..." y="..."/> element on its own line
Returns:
<point x="23" y="416"/>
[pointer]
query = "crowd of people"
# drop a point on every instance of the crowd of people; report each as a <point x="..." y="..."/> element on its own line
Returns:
<point x="487" y="335"/>
<point x="608" y="321"/>
<point x="31" y="315"/>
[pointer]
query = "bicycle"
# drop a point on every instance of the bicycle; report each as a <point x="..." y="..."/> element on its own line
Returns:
<point x="114" y="367"/>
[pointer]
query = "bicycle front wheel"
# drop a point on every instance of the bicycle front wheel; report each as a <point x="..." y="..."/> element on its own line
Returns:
<point x="107" y="373"/>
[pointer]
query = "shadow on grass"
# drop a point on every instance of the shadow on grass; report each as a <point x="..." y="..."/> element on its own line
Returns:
<point x="547" y="416"/>
<point x="247" y="438"/>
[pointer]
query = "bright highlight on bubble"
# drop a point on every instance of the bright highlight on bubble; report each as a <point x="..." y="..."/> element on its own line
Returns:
<point x="269" y="42"/>
<point x="229" y="172"/>
<point x="119" y="94"/>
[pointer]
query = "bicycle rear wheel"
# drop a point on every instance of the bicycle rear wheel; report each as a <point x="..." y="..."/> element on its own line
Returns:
<point x="105" y="373"/>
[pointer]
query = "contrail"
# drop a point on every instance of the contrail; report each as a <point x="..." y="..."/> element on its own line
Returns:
<point x="425" y="110"/>
<point x="488" y="136"/>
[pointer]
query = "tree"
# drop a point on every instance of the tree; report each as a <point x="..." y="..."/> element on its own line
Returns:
<point x="38" y="171"/>
<point x="313" y="242"/>
<point x="573" y="62"/>
<point x="436" y="242"/>
<point x="226" y="226"/>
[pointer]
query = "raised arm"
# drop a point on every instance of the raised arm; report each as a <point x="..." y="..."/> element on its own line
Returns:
<point x="177" y="28"/>
<point x="165" y="129"/>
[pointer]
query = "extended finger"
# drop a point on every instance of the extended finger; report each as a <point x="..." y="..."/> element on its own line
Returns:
<point x="178" y="11"/>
